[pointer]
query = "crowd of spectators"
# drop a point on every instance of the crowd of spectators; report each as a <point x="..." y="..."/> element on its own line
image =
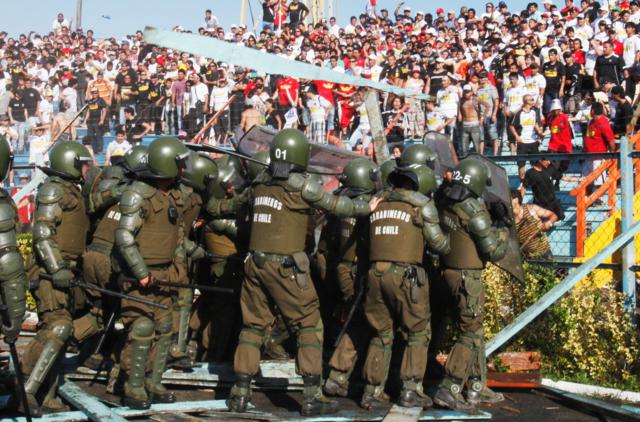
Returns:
<point x="499" y="80"/>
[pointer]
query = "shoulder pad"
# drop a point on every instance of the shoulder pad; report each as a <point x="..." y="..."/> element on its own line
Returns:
<point x="313" y="191"/>
<point x="144" y="189"/>
<point x="50" y="192"/>
<point x="471" y="207"/>
<point x="263" y="177"/>
<point x="112" y="172"/>
<point x="296" y="181"/>
<point x="131" y="201"/>
<point x="411" y="197"/>
<point x="7" y="215"/>
<point x="430" y="212"/>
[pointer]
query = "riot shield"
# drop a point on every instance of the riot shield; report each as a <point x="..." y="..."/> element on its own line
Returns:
<point x="500" y="190"/>
<point x="325" y="160"/>
<point x="443" y="149"/>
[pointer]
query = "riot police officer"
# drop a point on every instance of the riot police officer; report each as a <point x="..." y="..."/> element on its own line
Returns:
<point x="96" y="261"/>
<point x="385" y="170"/>
<point x="215" y="322"/>
<point x="60" y="227"/>
<point x="397" y="296"/>
<point x="13" y="282"/>
<point x="474" y="241"/>
<point x="277" y="269"/>
<point x="359" y="181"/>
<point x="147" y="241"/>
<point x="199" y="172"/>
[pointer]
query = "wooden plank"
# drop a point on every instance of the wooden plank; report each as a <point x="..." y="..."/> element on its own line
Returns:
<point x="515" y="361"/>
<point x="402" y="414"/>
<point x="175" y="417"/>
<point x="376" y="123"/>
<point x="599" y="406"/>
<point x="89" y="405"/>
<point x="74" y="416"/>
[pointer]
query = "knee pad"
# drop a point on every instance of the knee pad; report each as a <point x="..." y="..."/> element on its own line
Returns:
<point x="471" y="339"/>
<point x="311" y="337"/>
<point x="61" y="329"/>
<point x="418" y="338"/>
<point x="164" y="326"/>
<point x="383" y="339"/>
<point x="142" y="328"/>
<point x="251" y="336"/>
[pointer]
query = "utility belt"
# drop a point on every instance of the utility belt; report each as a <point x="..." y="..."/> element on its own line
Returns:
<point x="100" y="247"/>
<point x="297" y="262"/>
<point x="7" y="250"/>
<point x="414" y="276"/>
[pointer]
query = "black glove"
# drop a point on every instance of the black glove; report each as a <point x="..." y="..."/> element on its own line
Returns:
<point x="500" y="214"/>
<point x="62" y="278"/>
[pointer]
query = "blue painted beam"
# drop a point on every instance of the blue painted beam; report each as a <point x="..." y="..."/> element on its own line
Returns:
<point x="260" y="61"/>
<point x="558" y="291"/>
<point x="88" y="404"/>
<point x="629" y="251"/>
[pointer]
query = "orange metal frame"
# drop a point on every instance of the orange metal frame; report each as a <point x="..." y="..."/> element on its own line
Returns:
<point x="609" y="187"/>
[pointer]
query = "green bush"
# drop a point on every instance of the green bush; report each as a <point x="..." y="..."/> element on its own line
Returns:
<point x="586" y="336"/>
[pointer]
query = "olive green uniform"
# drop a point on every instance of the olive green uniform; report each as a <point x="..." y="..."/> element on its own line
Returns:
<point x="96" y="262"/>
<point x="147" y="239"/>
<point x="398" y="296"/>
<point x="13" y="282"/>
<point x="353" y="234"/>
<point x="473" y="242"/>
<point x="277" y="270"/>
<point x="59" y="238"/>
<point x="183" y="301"/>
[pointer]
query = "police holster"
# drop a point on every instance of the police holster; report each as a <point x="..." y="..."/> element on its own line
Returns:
<point x="416" y="276"/>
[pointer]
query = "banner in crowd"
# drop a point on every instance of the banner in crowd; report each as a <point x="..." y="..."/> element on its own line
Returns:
<point x="260" y="61"/>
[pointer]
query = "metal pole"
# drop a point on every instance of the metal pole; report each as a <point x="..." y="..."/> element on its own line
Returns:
<point x="78" y="14"/>
<point x="628" y="252"/>
<point x="243" y="8"/>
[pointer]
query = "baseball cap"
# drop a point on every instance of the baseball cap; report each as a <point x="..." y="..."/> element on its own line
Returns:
<point x="440" y="10"/>
<point x="467" y="87"/>
<point x="439" y="60"/>
<point x="556" y="105"/>
<point x="461" y="20"/>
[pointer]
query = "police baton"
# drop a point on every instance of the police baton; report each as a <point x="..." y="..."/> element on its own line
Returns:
<point x="89" y="286"/>
<point x="352" y="311"/>
<point x="165" y="283"/>
<point x="6" y="320"/>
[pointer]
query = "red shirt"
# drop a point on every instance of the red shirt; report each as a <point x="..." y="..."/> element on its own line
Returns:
<point x="598" y="136"/>
<point x="579" y="56"/>
<point x="560" y="134"/>
<point x="287" y="86"/>
<point x="325" y="90"/>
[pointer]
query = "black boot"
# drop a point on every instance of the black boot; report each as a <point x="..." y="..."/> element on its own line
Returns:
<point x="240" y="394"/>
<point x="315" y="403"/>
<point x="449" y="395"/>
<point x="412" y="395"/>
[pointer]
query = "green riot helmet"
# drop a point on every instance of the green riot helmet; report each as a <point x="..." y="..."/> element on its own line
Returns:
<point x="417" y="154"/>
<point x="289" y="151"/>
<point x="230" y="174"/>
<point x="199" y="172"/>
<point x="66" y="160"/>
<point x="422" y="178"/>
<point x="473" y="175"/>
<point x="6" y="157"/>
<point x="253" y="168"/>
<point x="385" y="170"/>
<point x="360" y="176"/>
<point x="165" y="158"/>
<point x="135" y="158"/>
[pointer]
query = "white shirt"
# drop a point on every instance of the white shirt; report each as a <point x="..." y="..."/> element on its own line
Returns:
<point x="533" y="85"/>
<point x="38" y="149"/>
<point x="70" y="97"/>
<point x="631" y="47"/>
<point x="197" y="93"/>
<point x="435" y="119"/>
<point x="364" y="116"/>
<point x="513" y="98"/>
<point x="447" y="100"/>
<point x="219" y="97"/>
<point x="46" y="112"/>
<point x="319" y="108"/>
<point x="115" y="148"/>
<point x="57" y="26"/>
<point x="528" y="120"/>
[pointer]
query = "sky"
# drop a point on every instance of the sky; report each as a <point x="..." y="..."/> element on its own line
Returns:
<point x="120" y="17"/>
